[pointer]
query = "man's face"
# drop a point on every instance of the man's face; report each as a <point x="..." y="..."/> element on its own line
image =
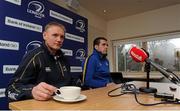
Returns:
<point x="54" y="37"/>
<point x="102" y="47"/>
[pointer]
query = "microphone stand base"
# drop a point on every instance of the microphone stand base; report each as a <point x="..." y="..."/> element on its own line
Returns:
<point x="148" y="90"/>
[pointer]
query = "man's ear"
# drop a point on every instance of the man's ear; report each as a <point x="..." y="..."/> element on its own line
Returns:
<point x="44" y="35"/>
<point x="96" y="47"/>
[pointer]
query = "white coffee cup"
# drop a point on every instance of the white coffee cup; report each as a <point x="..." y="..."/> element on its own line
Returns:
<point x="69" y="92"/>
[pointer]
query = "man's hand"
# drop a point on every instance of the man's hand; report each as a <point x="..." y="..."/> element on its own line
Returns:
<point x="43" y="91"/>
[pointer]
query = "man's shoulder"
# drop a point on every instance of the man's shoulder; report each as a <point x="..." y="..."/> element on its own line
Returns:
<point x="93" y="58"/>
<point x="34" y="52"/>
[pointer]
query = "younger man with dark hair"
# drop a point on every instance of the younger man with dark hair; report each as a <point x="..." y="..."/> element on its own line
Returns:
<point x="96" y="66"/>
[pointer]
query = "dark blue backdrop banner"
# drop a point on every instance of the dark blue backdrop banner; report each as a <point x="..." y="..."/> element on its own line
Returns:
<point x="21" y="27"/>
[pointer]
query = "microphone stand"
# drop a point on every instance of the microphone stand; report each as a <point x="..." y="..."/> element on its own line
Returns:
<point x="147" y="89"/>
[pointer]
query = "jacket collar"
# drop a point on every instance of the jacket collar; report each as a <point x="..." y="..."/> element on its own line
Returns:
<point x="99" y="54"/>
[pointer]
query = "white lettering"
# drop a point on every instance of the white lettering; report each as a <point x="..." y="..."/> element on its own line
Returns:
<point x="17" y="2"/>
<point x="136" y="56"/>
<point x="9" y="69"/>
<point x="67" y="52"/>
<point x="2" y="92"/>
<point x="60" y="17"/>
<point x="74" y="37"/>
<point x="39" y="15"/>
<point x="23" y="24"/>
<point x="9" y="45"/>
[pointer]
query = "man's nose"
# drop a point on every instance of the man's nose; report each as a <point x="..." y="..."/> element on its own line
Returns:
<point x="59" y="38"/>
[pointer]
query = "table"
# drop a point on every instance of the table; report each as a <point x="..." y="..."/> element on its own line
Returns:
<point x="97" y="99"/>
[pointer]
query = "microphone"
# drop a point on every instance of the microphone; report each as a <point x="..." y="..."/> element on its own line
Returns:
<point x="139" y="55"/>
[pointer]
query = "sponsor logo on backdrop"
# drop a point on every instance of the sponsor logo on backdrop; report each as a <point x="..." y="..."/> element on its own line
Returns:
<point x="9" y="69"/>
<point x="36" y="8"/>
<point x="80" y="25"/>
<point x="67" y="52"/>
<point x="17" y="2"/>
<point x="32" y="45"/>
<point x="75" y="69"/>
<point x="74" y="37"/>
<point x="60" y="17"/>
<point x="80" y="54"/>
<point x="2" y="92"/>
<point x="23" y="24"/>
<point x="9" y="45"/>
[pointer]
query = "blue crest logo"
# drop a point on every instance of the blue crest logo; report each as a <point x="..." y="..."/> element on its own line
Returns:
<point x="36" y="8"/>
<point x="80" y="25"/>
<point x="80" y="54"/>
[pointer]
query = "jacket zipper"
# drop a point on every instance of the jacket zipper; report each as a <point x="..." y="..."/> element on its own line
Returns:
<point x="61" y="68"/>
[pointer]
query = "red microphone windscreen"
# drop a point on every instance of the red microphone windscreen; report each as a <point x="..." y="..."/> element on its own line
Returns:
<point x="138" y="54"/>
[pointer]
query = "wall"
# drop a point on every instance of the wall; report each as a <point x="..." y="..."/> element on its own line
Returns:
<point x="156" y="21"/>
<point x="96" y="25"/>
<point x="152" y="22"/>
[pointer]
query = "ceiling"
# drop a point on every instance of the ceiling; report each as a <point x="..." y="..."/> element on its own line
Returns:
<point x="113" y="9"/>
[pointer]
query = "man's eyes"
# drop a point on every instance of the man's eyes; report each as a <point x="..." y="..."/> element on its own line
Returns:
<point x="62" y="36"/>
<point x="57" y="35"/>
<point x="105" y="44"/>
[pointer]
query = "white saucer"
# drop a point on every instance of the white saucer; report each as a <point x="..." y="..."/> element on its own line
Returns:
<point x="58" y="98"/>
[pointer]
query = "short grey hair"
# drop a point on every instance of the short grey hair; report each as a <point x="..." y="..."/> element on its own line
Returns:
<point x="54" y="24"/>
